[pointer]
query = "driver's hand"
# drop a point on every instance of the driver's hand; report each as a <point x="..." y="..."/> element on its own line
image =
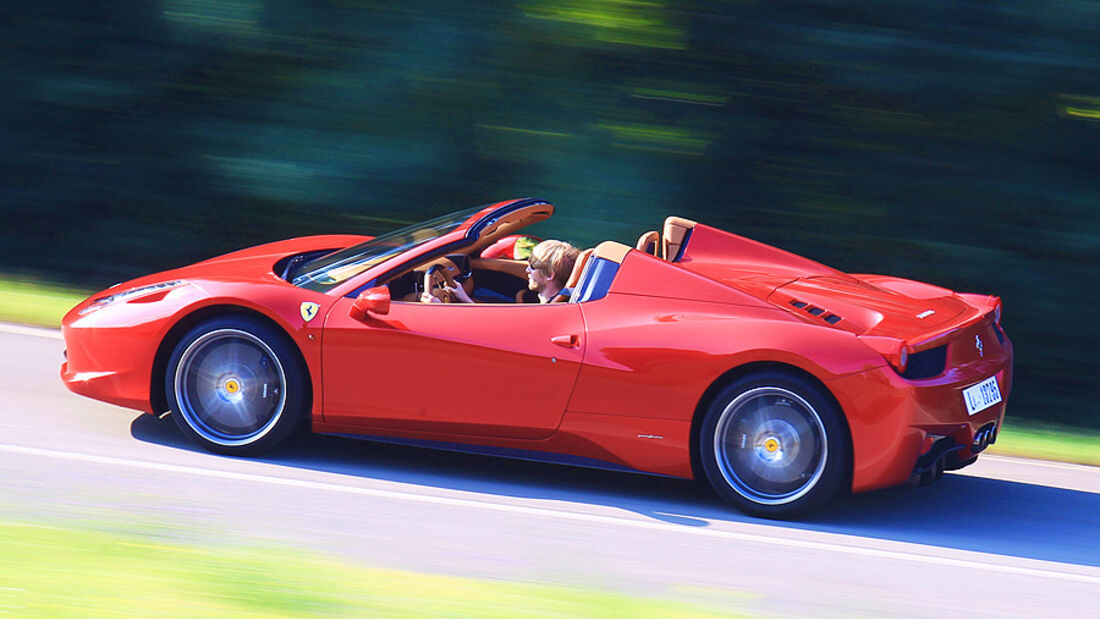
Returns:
<point x="459" y="293"/>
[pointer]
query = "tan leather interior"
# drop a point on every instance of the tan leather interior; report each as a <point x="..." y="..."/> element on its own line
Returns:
<point x="609" y="250"/>
<point x="517" y="268"/>
<point x="675" y="230"/>
<point x="509" y="224"/>
<point x="440" y="261"/>
<point x="578" y="268"/>
<point x="612" y="251"/>
<point x="650" y="243"/>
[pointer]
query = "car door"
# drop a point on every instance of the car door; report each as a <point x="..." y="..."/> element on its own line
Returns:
<point x="480" y="369"/>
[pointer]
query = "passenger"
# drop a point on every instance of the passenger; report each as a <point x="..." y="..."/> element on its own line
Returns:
<point x="548" y="269"/>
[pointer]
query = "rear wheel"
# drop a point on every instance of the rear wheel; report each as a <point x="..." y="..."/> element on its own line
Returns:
<point x="236" y="386"/>
<point x="774" y="445"/>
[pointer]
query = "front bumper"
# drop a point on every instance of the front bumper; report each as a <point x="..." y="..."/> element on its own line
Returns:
<point x="109" y="354"/>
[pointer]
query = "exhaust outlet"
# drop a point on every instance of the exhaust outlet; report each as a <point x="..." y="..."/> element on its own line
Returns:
<point x="983" y="438"/>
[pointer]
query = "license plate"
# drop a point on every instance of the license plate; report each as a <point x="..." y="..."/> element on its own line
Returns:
<point x="982" y="396"/>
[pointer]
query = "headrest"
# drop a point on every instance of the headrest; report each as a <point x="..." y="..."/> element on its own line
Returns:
<point x="676" y="228"/>
<point x="612" y="251"/>
<point x="650" y="243"/>
<point x="578" y="268"/>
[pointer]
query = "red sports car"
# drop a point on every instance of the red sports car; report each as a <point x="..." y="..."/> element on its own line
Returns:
<point x="696" y="353"/>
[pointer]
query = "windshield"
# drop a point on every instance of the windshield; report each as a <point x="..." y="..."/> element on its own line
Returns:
<point x="340" y="266"/>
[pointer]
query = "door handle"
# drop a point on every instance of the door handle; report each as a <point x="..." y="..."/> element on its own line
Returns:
<point x="566" y="341"/>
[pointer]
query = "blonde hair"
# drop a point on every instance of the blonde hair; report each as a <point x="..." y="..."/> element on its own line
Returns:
<point x="557" y="257"/>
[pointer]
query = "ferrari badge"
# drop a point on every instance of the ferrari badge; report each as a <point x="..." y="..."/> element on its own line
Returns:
<point x="309" y="310"/>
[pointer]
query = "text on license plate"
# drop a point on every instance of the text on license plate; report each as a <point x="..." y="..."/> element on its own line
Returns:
<point x="982" y="396"/>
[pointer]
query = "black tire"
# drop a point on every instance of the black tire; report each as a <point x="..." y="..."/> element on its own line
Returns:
<point x="236" y="386"/>
<point x="774" y="445"/>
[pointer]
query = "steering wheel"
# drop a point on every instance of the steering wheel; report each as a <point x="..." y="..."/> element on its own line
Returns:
<point x="435" y="278"/>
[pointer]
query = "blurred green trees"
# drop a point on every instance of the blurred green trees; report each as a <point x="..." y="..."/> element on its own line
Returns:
<point x="949" y="142"/>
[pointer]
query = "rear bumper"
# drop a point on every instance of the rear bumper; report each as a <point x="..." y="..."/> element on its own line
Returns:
<point x="901" y="428"/>
<point x="947" y="454"/>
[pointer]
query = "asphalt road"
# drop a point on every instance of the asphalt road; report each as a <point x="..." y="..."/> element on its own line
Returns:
<point x="1005" y="537"/>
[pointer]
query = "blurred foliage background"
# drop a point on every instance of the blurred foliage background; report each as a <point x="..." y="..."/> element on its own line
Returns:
<point x="951" y="142"/>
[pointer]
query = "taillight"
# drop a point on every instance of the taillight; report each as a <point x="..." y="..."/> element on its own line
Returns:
<point x="893" y="350"/>
<point x="997" y="329"/>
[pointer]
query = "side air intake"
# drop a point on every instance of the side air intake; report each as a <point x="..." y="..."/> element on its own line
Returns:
<point x="813" y="310"/>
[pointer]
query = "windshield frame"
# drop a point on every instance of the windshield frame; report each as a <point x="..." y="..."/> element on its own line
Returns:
<point x="323" y="274"/>
<point x="448" y="233"/>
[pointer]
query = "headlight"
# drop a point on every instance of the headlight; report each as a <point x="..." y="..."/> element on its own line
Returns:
<point x="130" y="294"/>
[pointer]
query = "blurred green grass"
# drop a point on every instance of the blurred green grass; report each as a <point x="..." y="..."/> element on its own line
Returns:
<point x="66" y="572"/>
<point x="44" y="305"/>
<point x="33" y="303"/>
<point x="1046" y="441"/>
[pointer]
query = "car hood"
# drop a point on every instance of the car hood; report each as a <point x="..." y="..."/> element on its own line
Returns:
<point x="268" y="253"/>
<point x="261" y="259"/>
<point x="249" y="264"/>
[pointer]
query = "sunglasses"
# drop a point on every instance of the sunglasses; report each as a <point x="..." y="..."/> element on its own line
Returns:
<point x="537" y="265"/>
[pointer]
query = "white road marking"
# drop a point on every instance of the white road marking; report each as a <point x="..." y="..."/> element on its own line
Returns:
<point x="1066" y="466"/>
<point x="988" y="565"/>
<point x="32" y="331"/>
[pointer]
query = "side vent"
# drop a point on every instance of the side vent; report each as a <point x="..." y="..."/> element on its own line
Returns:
<point x="813" y="310"/>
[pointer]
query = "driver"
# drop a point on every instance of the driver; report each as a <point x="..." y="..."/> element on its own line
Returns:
<point x="548" y="269"/>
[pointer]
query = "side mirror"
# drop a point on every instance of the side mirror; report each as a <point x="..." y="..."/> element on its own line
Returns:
<point x="371" y="301"/>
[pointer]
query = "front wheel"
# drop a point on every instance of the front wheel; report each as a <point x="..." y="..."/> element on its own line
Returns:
<point x="774" y="445"/>
<point x="236" y="386"/>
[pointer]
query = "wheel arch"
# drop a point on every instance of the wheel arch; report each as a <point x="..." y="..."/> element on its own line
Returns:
<point x="736" y="373"/>
<point x="158" y="399"/>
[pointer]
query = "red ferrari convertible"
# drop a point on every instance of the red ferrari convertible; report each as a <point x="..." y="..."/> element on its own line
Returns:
<point x="695" y="353"/>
